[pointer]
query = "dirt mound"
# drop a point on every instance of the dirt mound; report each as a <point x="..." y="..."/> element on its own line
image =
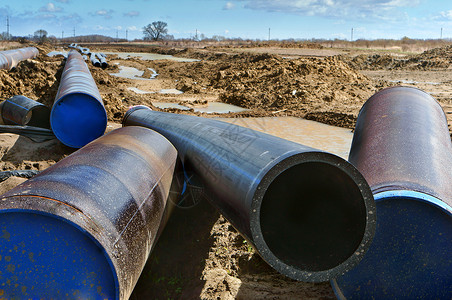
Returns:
<point x="270" y="82"/>
<point x="303" y="85"/>
<point x="37" y="80"/>
<point x="434" y="59"/>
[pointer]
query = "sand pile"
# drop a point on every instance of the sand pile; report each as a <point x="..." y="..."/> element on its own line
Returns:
<point x="307" y="87"/>
<point x="304" y="84"/>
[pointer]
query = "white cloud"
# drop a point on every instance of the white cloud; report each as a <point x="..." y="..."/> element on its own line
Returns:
<point x="226" y="31"/>
<point x="132" y="28"/>
<point x="50" y="7"/>
<point x="46" y="16"/>
<point x="228" y="6"/>
<point x="338" y="9"/>
<point x="133" y="13"/>
<point x="447" y="15"/>
<point x="118" y="27"/>
<point x="100" y="27"/>
<point x="107" y="14"/>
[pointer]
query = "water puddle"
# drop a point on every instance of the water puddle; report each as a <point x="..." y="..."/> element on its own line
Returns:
<point x="164" y="105"/>
<point x="138" y="91"/>
<point x="133" y="73"/>
<point x="211" y="107"/>
<point x="170" y="91"/>
<point x="56" y="53"/>
<point x="150" y="56"/>
<point x="162" y="91"/>
<point x="317" y="135"/>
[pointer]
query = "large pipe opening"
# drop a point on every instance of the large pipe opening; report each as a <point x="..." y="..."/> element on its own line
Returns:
<point x="313" y="216"/>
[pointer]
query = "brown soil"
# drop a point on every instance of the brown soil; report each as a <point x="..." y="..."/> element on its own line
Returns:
<point x="199" y="254"/>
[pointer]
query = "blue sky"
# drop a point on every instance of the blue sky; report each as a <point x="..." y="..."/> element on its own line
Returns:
<point x="298" y="19"/>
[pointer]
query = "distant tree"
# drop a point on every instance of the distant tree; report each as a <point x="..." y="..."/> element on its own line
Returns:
<point x="5" y="36"/>
<point x="40" y="35"/>
<point x="155" y="31"/>
<point x="218" y="38"/>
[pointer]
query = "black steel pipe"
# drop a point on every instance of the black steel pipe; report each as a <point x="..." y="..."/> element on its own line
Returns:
<point x="84" y="227"/>
<point x="20" y="110"/>
<point x="78" y="114"/>
<point x="10" y="58"/>
<point x="403" y="148"/>
<point x="308" y="213"/>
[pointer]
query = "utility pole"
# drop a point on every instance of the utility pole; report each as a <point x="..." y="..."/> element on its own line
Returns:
<point x="74" y="31"/>
<point x="196" y="35"/>
<point x="351" y="39"/>
<point x="127" y="33"/>
<point x="268" y="33"/>
<point x="62" y="34"/>
<point x="441" y="37"/>
<point x="7" y="27"/>
<point x="116" y="35"/>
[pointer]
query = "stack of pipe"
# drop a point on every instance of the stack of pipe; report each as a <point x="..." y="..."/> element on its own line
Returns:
<point x="403" y="148"/>
<point x="10" y="58"/>
<point x="308" y="213"/>
<point x="103" y="60"/>
<point x="94" y="60"/>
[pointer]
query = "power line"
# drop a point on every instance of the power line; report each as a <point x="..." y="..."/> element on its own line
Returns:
<point x="7" y="27"/>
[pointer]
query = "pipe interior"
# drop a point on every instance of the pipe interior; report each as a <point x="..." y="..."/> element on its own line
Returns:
<point x="313" y="216"/>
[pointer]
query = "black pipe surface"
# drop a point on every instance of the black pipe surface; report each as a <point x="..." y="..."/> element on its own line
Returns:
<point x="308" y="213"/>
<point x="84" y="227"/>
<point x="403" y="148"/>
<point x="20" y="110"/>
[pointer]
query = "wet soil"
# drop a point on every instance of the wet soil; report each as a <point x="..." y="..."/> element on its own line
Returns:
<point x="200" y="255"/>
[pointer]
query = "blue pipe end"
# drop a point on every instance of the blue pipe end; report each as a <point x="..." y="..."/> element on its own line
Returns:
<point x="43" y="256"/>
<point x="77" y="119"/>
<point x="411" y="254"/>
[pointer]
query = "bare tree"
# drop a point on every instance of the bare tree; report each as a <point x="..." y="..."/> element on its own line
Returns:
<point x="5" y="36"/>
<point x="155" y="31"/>
<point x="40" y="35"/>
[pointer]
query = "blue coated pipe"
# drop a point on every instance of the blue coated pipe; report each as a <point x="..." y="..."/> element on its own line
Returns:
<point x="78" y="114"/>
<point x="84" y="227"/>
<point x="403" y="148"/>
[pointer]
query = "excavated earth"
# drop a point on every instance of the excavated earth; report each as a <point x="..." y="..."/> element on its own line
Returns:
<point x="199" y="254"/>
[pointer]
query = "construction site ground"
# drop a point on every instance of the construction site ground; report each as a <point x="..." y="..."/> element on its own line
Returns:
<point x="200" y="255"/>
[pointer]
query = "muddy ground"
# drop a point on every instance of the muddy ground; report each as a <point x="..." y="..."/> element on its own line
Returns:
<point x="200" y="255"/>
